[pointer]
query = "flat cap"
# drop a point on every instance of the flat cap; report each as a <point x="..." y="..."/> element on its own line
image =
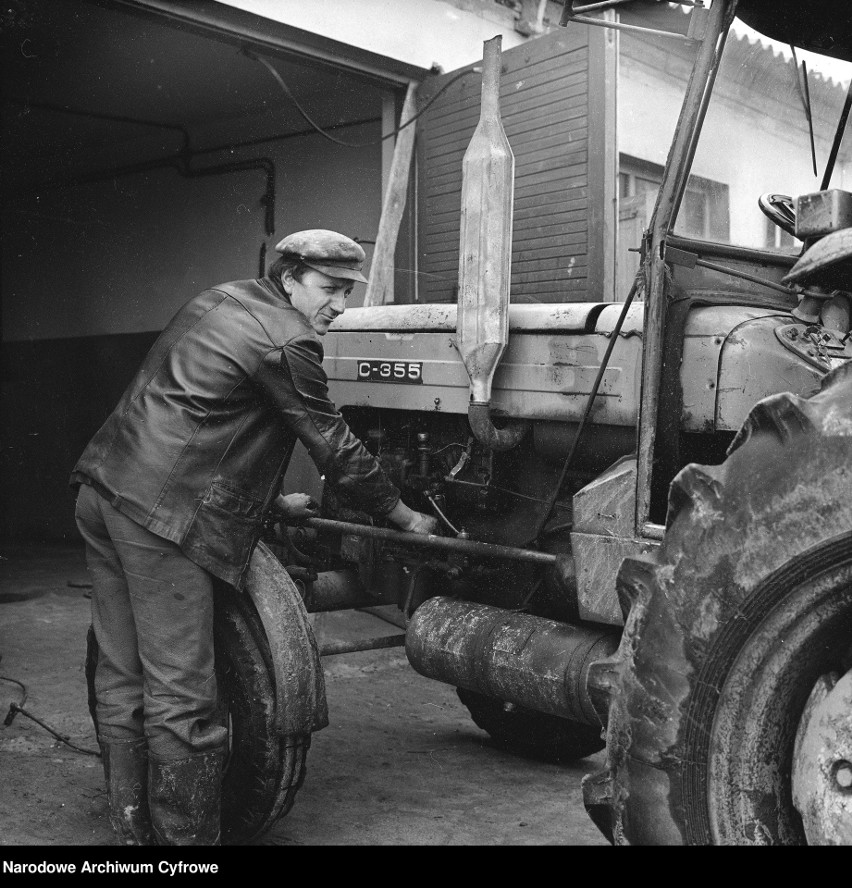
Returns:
<point x="330" y="252"/>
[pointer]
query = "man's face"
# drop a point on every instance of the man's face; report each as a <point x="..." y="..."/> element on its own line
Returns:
<point x="318" y="297"/>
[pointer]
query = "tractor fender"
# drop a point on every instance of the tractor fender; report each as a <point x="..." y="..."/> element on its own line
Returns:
<point x="301" y="705"/>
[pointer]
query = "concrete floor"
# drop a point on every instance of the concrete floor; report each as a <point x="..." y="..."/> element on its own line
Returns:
<point x="400" y="764"/>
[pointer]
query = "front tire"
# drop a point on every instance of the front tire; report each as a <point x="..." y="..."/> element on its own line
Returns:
<point x="263" y="770"/>
<point x="747" y="605"/>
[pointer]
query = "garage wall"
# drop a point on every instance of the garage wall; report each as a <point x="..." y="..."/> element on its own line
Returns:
<point x="90" y="274"/>
<point x="122" y="256"/>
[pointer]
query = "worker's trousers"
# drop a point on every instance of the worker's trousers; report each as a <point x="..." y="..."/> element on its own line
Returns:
<point x="152" y="613"/>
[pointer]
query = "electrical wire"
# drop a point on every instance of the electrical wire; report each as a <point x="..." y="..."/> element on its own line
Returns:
<point x="14" y="709"/>
<point x="326" y="135"/>
<point x="637" y="283"/>
<point x="18" y="708"/>
<point x="443" y="517"/>
<point x="448" y="446"/>
<point x="23" y="688"/>
<point x="494" y="487"/>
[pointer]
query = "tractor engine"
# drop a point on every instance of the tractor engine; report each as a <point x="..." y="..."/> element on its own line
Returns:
<point x="499" y="498"/>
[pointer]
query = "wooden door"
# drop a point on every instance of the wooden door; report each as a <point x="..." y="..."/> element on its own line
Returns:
<point x="557" y="102"/>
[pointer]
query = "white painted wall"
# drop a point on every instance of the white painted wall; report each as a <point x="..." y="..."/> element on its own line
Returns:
<point x="419" y="32"/>
<point x="756" y="154"/>
<point x="646" y="125"/>
<point x="751" y="144"/>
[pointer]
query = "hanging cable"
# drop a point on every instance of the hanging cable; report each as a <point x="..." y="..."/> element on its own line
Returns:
<point x="805" y="95"/>
<point x="637" y="283"/>
<point x="326" y="135"/>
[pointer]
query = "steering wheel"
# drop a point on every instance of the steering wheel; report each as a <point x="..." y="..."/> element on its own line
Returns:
<point x="780" y="209"/>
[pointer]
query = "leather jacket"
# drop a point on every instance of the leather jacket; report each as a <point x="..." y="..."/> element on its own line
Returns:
<point x="196" y="448"/>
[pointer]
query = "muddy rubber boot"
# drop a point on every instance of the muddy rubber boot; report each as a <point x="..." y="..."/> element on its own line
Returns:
<point x="126" y="770"/>
<point x="185" y="799"/>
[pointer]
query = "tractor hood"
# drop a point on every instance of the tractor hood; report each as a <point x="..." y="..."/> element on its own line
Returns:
<point x="823" y="26"/>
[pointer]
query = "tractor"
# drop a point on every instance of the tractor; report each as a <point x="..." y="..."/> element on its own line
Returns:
<point x="646" y="503"/>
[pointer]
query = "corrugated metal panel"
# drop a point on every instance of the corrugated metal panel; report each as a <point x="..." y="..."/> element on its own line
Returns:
<point x="544" y="100"/>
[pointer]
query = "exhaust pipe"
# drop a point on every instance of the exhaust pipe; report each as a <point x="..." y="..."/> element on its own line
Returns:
<point x="485" y="255"/>
<point x="518" y="658"/>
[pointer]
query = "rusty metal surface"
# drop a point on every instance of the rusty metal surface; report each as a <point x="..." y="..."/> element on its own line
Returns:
<point x="705" y="334"/>
<point x="822" y="763"/>
<point x="754" y="365"/>
<point x="598" y="559"/>
<point x="519" y="658"/>
<point x="299" y="683"/>
<point x="451" y="544"/>
<point x="602" y="537"/>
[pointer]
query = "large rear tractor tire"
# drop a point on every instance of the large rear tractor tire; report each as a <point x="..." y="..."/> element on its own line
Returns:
<point x="535" y="735"/>
<point x="263" y="771"/>
<point x="740" y="617"/>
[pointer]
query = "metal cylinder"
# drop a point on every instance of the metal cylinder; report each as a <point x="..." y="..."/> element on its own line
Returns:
<point x="518" y="658"/>
<point x="331" y="648"/>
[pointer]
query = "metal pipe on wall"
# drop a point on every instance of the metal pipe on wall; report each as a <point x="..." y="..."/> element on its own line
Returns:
<point x="179" y="162"/>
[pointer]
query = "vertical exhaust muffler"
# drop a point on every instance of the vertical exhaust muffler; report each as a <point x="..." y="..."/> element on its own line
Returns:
<point x="485" y="255"/>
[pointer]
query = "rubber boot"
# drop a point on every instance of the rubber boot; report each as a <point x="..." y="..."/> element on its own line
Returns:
<point x="185" y="798"/>
<point x="126" y="771"/>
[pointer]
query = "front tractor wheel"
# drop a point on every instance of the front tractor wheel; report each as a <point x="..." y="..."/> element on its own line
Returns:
<point x="263" y="769"/>
<point x="737" y="632"/>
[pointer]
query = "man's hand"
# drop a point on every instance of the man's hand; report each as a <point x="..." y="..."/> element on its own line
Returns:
<point x="424" y="524"/>
<point x="413" y="522"/>
<point x="296" y="506"/>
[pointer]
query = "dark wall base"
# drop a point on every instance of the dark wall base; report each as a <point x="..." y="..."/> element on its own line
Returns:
<point x="54" y="395"/>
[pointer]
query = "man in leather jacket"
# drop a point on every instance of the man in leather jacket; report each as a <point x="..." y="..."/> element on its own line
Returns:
<point x="173" y="492"/>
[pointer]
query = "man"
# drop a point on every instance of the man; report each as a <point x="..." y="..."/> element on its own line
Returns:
<point x="173" y="490"/>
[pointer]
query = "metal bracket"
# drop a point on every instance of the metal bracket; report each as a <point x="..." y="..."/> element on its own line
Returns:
<point x="818" y="346"/>
<point x="695" y="30"/>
